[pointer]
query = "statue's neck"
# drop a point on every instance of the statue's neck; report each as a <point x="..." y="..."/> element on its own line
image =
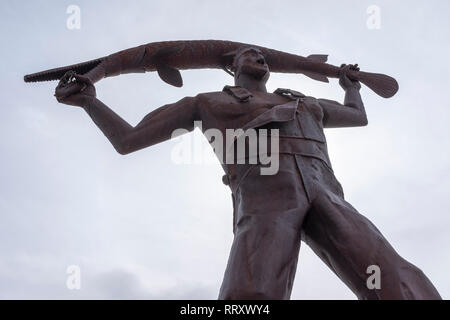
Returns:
<point x="250" y="83"/>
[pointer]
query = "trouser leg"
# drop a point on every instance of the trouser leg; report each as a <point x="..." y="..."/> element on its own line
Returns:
<point x="349" y="243"/>
<point x="269" y="214"/>
<point x="262" y="261"/>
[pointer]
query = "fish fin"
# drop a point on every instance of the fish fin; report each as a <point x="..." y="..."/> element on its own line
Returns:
<point x="318" y="57"/>
<point x="315" y="76"/>
<point x="167" y="73"/>
<point x="381" y="84"/>
<point x="170" y="75"/>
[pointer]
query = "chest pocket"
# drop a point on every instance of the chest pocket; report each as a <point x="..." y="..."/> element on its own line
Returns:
<point x="309" y="117"/>
<point x="306" y="124"/>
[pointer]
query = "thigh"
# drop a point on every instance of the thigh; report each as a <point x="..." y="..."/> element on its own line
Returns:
<point x="349" y="243"/>
<point x="271" y="195"/>
<point x="262" y="261"/>
<point x="269" y="214"/>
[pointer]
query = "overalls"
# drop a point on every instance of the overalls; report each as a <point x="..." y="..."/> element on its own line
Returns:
<point x="304" y="201"/>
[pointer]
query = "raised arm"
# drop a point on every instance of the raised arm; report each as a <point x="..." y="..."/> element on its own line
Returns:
<point x="349" y="114"/>
<point x="156" y="127"/>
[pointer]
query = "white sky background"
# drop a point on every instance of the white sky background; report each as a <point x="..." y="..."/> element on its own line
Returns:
<point x="140" y="226"/>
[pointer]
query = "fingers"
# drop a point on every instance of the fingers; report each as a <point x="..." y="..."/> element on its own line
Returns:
<point x="344" y="70"/>
<point x="67" y="90"/>
<point x="83" y="79"/>
<point x="71" y="76"/>
<point x="71" y="83"/>
<point x="346" y="67"/>
<point x="354" y="67"/>
<point x="344" y="79"/>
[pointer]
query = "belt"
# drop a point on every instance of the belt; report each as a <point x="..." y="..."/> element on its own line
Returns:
<point x="289" y="145"/>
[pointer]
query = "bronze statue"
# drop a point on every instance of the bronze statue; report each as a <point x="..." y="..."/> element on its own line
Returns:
<point x="169" y="56"/>
<point x="272" y="213"/>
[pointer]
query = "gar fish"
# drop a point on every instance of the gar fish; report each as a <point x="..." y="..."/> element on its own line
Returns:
<point x="168" y="57"/>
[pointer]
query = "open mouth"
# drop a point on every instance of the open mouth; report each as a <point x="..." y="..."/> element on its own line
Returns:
<point x="261" y="61"/>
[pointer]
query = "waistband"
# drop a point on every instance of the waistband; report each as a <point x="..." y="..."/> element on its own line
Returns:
<point x="286" y="145"/>
<point x="236" y="172"/>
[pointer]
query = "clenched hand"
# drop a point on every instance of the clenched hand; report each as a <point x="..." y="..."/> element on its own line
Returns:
<point x="75" y="90"/>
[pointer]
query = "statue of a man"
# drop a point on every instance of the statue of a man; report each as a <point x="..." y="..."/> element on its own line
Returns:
<point x="273" y="213"/>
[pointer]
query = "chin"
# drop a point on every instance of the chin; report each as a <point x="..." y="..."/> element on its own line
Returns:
<point x="256" y="72"/>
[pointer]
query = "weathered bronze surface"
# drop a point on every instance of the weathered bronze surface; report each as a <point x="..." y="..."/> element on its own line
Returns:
<point x="169" y="56"/>
<point x="272" y="213"/>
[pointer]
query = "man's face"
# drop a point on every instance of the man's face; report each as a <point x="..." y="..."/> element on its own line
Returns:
<point x="251" y="62"/>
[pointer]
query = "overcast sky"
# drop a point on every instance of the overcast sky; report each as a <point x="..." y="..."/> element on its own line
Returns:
<point x="140" y="226"/>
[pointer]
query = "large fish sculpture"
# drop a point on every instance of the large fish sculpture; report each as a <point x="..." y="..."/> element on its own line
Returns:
<point x="168" y="57"/>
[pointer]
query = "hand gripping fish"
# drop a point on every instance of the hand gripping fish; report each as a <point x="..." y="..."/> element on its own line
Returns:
<point x="168" y="57"/>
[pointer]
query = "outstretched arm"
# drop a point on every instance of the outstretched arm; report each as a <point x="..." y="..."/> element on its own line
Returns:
<point x="349" y="114"/>
<point x="156" y="127"/>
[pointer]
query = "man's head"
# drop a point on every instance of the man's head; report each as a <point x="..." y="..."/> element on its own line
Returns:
<point x="250" y="61"/>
